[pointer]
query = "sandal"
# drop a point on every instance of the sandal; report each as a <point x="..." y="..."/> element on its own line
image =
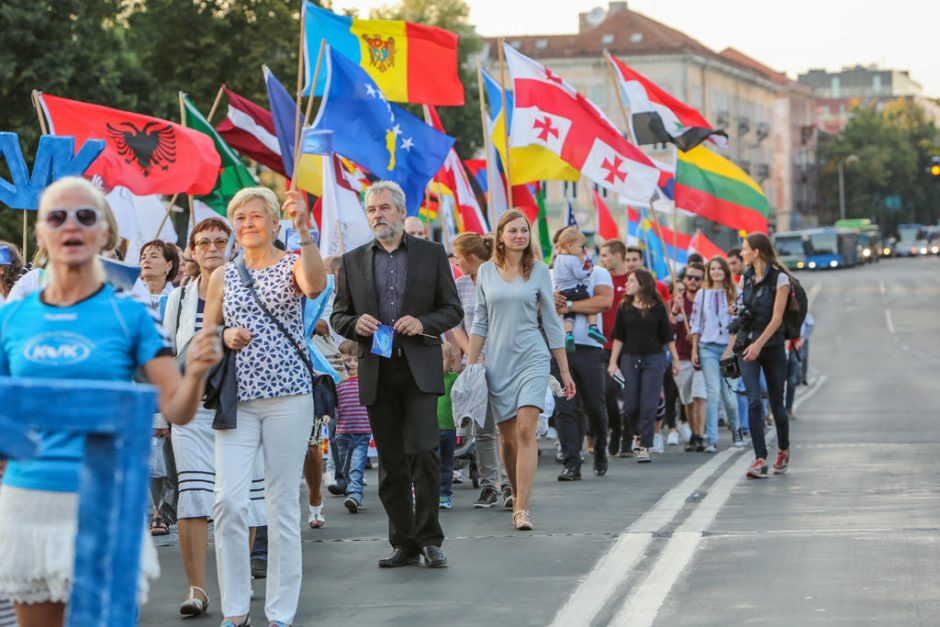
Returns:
<point x="158" y="527"/>
<point x="316" y="519"/>
<point x="522" y="521"/>
<point x="193" y="605"/>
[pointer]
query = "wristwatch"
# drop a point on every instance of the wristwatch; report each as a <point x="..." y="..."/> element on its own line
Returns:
<point x="569" y="304"/>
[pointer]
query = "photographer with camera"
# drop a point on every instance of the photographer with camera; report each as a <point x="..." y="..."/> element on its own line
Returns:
<point x="709" y="327"/>
<point x="759" y="341"/>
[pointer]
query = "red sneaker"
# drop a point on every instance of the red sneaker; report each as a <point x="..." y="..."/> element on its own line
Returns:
<point x="780" y="465"/>
<point x="757" y="470"/>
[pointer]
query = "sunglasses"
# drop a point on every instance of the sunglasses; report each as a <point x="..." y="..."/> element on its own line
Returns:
<point x="219" y="242"/>
<point x="693" y="277"/>
<point x="85" y="217"/>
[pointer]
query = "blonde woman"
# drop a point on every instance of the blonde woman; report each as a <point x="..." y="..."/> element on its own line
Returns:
<point x="117" y="335"/>
<point x="264" y="324"/>
<point x="511" y="289"/>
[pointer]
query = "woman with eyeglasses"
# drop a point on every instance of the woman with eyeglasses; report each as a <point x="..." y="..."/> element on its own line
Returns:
<point x="111" y="335"/>
<point x="194" y="443"/>
<point x="264" y="325"/>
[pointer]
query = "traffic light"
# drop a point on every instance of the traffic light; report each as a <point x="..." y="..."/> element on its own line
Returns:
<point x="934" y="168"/>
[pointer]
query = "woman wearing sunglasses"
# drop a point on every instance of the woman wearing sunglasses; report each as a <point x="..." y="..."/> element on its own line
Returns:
<point x="194" y="443"/>
<point x="77" y="327"/>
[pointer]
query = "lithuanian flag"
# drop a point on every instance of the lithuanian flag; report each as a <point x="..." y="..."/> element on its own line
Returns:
<point x="409" y="62"/>
<point x="713" y="187"/>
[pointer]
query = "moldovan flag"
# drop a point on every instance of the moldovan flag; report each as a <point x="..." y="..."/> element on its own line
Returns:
<point x="548" y="112"/>
<point x="714" y="188"/>
<point x="409" y="62"/>
<point x="144" y="154"/>
<point x="705" y="247"/>
<point x="656" y="117"/>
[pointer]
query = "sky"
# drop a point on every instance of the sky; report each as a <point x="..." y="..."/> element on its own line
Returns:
<point x="791" y="36"/>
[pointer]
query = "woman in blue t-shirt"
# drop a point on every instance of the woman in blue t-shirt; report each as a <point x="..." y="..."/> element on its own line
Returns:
<point x="77" y="327"/>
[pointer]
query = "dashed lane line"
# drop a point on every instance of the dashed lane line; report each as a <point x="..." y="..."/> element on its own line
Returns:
<point x="889" y="320"/>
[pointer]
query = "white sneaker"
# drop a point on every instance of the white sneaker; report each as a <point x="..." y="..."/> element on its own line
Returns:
<point x="686" y="431"/>
<point x="657" y="443"/>
<point x="672" y="439"/>
<point x="551" y="434"/>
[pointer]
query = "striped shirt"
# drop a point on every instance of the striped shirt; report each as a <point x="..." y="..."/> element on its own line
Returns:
<point x="351" y="415"/>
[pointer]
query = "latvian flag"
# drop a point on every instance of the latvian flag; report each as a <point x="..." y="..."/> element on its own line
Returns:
<point x="657" y="118"/>
<point x="249" y="129"/>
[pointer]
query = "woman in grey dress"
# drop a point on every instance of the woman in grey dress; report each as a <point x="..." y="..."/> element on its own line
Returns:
<point x="510" y="289"/>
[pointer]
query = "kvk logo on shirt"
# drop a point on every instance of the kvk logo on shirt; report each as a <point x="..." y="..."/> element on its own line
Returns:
<point x="58" y="348"/>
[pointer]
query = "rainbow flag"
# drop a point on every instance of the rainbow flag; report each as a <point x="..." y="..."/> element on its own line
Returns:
<point x="715" y="188"/>
<point x="409" y="62"/>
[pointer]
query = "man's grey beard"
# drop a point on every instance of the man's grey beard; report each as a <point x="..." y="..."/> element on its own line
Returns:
<point x="389" y="231"/>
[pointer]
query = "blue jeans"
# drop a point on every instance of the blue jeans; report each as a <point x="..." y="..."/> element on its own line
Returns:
<point x="353" y="451"/>
<point x="448" y="444"/>
<point x="710" y="354"/>
<point x="772" y="361"/>
<point x="794" y="374"/>
<point x="643" y="380"/>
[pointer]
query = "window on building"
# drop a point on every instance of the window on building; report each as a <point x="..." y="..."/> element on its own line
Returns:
<point x="636" y="38"/>
<point x="541" y="44"/>
<point x="834" y="85"/>
<point x="876" y="83"/>
<point x="607" y="39"/>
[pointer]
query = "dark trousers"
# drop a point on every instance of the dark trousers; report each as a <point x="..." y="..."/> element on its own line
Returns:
<point x="643" y="375"/>
<point x="406" y="433"/>
<point x="588" y="370"/>
<point x="448" y="445"/>
<point x="773" y="362"/>
<point x="794" y="372"/>
<point x="613" y="394"/>
<point x="671" y="394"/>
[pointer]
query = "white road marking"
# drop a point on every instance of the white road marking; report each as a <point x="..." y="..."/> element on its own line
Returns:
<point x="813" y="293"/>
<point x="642" y="606"/>
<point x="889" y="320"/>
<point x="608" y="575"/>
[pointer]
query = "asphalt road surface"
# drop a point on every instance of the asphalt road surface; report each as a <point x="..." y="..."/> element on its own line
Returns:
<point x="848" y="536"/>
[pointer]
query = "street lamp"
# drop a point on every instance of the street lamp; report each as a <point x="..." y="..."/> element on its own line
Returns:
<point x="849" y="159"/>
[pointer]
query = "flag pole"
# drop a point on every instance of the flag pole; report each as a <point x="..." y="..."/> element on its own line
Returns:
<point x="307" y="113"/>
<point x="45" y="131"/>
<point x="623" y="107"/>
<point x="215" y="103"/>
<point x="487" y="145"/>
<point x="502" y="95"/>
<point x="189" y="196"/>
<point x="300" y="89"/>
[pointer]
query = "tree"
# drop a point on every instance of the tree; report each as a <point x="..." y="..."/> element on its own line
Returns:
<point x="893" y="148"/>
<point x="462" y="123"/>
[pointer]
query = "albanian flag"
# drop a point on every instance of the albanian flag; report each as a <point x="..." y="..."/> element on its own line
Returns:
<point x="144" y="154"/>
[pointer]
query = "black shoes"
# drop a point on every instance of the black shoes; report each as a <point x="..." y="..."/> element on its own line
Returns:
<point x="600" y="463"/>
<point x="434" y="557"/>
<point x="613" y="447"/>
<point x="570" y="474"/>
<point x="488" y="498"/>
<point x="337" y="489"/>
<point x="398" y="557"/>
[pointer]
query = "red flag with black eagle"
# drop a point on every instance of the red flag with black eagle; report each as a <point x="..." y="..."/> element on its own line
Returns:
<point x="146" y="155"/>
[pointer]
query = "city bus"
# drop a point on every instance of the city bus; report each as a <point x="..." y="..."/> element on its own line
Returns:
<point x="791" y="249"/>
<point x="870" y="247"/>
<point x="831" y="247"/>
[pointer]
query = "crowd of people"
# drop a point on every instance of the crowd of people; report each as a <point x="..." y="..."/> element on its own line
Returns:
<point x="263" y="357"/>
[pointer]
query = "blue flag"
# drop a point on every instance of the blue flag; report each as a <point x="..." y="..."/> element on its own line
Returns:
<point x="376" y="134"/>
<point x="570" y="220"/>
<point x="284" y="110"/>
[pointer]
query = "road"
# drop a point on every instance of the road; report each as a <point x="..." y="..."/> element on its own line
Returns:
<point x="849" y="535"/>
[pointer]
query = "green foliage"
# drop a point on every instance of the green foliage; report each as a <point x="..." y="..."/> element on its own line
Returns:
<point x="463" y="123"/>
<point x="893" y="147"/>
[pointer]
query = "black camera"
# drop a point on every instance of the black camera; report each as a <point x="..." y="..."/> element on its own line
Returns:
<point x="730" y="367"/>
<point x="741" y="321"/>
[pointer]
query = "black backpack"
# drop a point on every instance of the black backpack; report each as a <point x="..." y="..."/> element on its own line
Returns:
<point x="795" y="312"/>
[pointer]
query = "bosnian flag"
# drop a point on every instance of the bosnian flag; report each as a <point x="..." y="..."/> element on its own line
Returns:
<point x="249" y="129"/>
<point x="657" y="118"/>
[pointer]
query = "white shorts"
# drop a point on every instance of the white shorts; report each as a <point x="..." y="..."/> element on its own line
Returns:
<point x="37" y="542"/>
<point x="194" y="451"/>
<point x="691" y="383"/>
